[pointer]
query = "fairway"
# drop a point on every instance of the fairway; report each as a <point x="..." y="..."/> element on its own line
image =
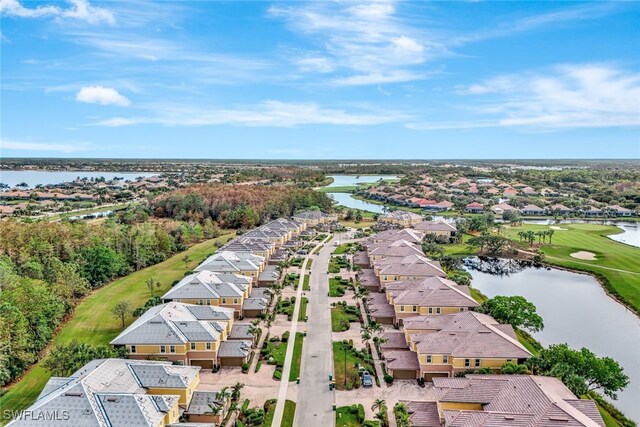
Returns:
<point x="616" y="262"/>
<point x="92" y="321"/>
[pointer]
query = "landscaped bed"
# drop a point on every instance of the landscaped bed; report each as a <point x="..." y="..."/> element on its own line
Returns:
<point x="274" y="352"/>
<point x="354" y="360"/>
<point x="342" y="315"/>
<point x="353" y="416"/>
<point x="338" y="262"/>
<point x="337" y="286"/>
<point x="302" y="314"/>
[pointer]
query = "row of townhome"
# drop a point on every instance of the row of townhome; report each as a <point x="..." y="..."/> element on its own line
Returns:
<point x="195" y="324"/>
<point x="195" y="328"/>
<point x="440" y="334"/>
<point x="441" y="337"/>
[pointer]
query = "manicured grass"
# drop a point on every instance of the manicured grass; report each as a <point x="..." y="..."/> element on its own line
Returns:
<point x="297" y="357"/>
<point x="92" y="321"/>
<point x="609" y="253"/>
<point x="336" y="287"/>
<point x="343" y="248"/>
<point x="339" y="365"/>
<point x="609" y="421"/>
<point x="287" y="416"/>
<point x="344" y="417"/>
<point x="340" y="319"/>
<point x="338" y="189"/>
<point x="365" y="223"/>
<point x="309" y="262"/>
<point x="305" y="283"/>
<point x="302" y="313"/>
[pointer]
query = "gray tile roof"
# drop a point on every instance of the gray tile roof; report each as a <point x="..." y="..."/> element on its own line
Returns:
<point x="203" y="285"/>
<point x="255" y="304"/>
<point x="231" y="262"/>
<point x="201" y="401"/>
<point x="110" y="392"/>
<point x="234" y="348"/>
<point x="433" y="226"/>
<point x="172" y="323"/>
<point x="241" y="331"/>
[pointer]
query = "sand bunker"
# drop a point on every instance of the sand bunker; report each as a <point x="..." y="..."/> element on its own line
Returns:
<point x="555" y="227"/>
<point x="588" y="256"/>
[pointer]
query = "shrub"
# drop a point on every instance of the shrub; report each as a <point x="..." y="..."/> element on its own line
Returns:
<point x="388" y="379"/>
<point x="245" y="368"/>
<point x="285" y="336"/>
<point x="277" y="374"/>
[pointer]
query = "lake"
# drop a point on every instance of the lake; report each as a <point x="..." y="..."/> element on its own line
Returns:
<point x="577" y="311"/>
<point x="344" y="180"/>
<point x="33" y="178"/>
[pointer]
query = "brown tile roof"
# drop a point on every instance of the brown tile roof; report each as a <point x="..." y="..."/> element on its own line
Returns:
<point x="395" y="341"/>
<point x="433" y="226"/>
<point x="422" y="414"/>
<point x="431" y="292"/>
<point x="413" y="265"/>
<point x="471" y="335"/>
<point x="509" y="397"/>
<point x="401" y="360"/>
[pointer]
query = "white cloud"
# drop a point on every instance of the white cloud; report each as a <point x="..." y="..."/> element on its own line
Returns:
<point x="42" y="146"/>
<point x="101" y="95"/>
<point x="367" y="41"/>
<point x="266" y="114"/>
<point x="564" y="97"/>
<point x="81" y="10"/>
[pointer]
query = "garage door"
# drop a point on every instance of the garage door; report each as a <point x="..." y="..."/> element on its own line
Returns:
<point x="231" y="361"/>
<point x="404" y="374"/>
<point x="204" y="363"/>
<point x="429" y="376"/>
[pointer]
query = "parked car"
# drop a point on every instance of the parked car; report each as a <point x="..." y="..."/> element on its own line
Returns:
<point x="367" y="380"/>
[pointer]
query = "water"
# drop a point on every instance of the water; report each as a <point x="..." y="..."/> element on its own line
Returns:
<point x="33" y="178"/>
<point x="345" y="199"/>
<point x="345" y="180"/>
<point x="94" y="215"/>
<point x="577" y="311"/>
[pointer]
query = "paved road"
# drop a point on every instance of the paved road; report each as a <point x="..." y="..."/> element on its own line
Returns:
<point x="315" y="401"/>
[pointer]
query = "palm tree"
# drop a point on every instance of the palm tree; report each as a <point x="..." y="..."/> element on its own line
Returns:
<point x="402" y="415"/>
<point x="378" y="404"/>
<point x="235" y="390"/>
<point x="550" y="232"/>
<point x="223" y="394"/>
<point x="215" y="408"/>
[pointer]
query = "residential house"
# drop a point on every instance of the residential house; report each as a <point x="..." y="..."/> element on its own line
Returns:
<point x="501" y="208"/>
<point x="439" y="228"/>
<point x="511" y="400"/>
<point x="313" y="218"/>
<point x="402" y="218"/>
<point x="408" y="234"/>
<point x="185" y="334"/>
<point x="445" y="205"/>
<point x="412" y="267"/>
<point x="244" y="263"/>
<point x="467" y="341"/>
<point x="532" y="210"/>
<point x="620" y="211"/>
<point x="115" y="392"/>
<point x="474" y="207"/>
<point x="208" y="288"/>
<point x="559" y="209"/>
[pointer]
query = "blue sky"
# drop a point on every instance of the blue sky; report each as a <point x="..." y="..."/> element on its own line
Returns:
<point x="344" y="79"/>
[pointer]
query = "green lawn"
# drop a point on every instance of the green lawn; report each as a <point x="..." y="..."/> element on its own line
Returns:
<point x="353" y="357"/>
<point x="305" y="283"/>
<point x="609" y="255"/>
<point x="287" y="416"/>
<point x="336" y="287"/>
<point x="302" y="314"/>
<point x="340" y="319"/>
<point x="343" y="248"/>
<point x="297" y="357"/>
<point x="92" y="321"/>
<point x="344" y="417"/>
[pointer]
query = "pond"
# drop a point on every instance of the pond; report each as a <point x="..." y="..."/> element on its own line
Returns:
<point x="345" y="180"/>
<point x="345" y="199"/>
<point x="33" y="178"/>
<point x="576" y="311"/>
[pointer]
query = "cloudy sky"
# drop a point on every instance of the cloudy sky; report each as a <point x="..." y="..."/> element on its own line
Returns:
<point x="343" y="79"/>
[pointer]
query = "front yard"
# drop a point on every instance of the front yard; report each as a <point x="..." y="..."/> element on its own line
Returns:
<point x="342" y="315"/>
<point x="347" y="372"/>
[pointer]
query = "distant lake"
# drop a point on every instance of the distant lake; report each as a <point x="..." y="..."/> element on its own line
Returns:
<point x="33" y="178"/>
<point x="630" y="230"/>
<point x="344" y="180"/>
<point x="577" y="311"/>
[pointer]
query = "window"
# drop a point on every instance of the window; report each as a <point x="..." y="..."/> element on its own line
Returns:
<point x="461" y="308"/>
<point x="430" y="310"/>
<point x="235" y="300"/>
<point x="428" y="358"/>
<point x="163" y="349"/>
<point x="445" y="359"/>
<point x="208" y="302"/>
<point x="224" y="300"/>
<point x="172" y="348"/>
<point x="509" y="360"/>
<point x="414" y="308"/>
<point x="193" y="346"/>
<point x="200" y="302"/>
<point x="438" y="310"/>
<point x="402" y="308"/>
<point x="467" y="363"/>
<point x="477" y="362"/>
<point x="133" y="349"/>
<point x="208" y="346"/>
